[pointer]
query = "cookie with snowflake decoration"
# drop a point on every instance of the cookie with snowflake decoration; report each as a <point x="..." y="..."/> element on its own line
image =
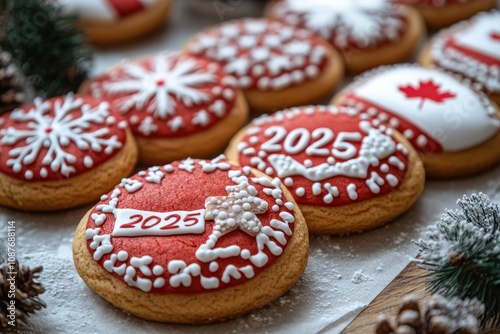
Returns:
<point x="454" y="127"/>
<point x="176" y="105"/>
<point x="441" y="13"/>
<point x="276" y="65"/>
<point x="159" y="250"/>
<point x="62" y="152"/>
<point x="346" y="173"/>
<point x="117" y="21"/>
<point x="367" y="33"/>
<point x="471" y="49"/>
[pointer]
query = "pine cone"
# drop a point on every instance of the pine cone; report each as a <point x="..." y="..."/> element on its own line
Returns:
<point x="15" y="90"/>
<point x="441" y="316"/>
<point x="23" y="290"/>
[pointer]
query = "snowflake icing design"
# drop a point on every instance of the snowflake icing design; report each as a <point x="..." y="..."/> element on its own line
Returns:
<point x="160" y="86"/>
<point x="50" y="136"/>
<point x="366" y="22"/>
<point x="262" y="54"/>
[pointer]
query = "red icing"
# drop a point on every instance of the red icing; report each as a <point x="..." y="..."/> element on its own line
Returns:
<point x="337" y="122"/>
<point x="213" y="44"/>
<point x="475" y="54"/>
<point x="173" y="194"/>
<point x="215" y="91"/>
<point x="426" y="90"/>
<point x="126" y="8"/>
<point x="337" y="32"/>
<point x="432" y="146"/>
<point x="29" y="129"/>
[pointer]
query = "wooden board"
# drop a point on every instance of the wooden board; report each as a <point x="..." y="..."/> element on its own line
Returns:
<point x="409" y="282"/>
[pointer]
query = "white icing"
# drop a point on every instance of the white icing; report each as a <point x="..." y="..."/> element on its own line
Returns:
<point x="47" y="137"/>
<point x="479" y="34"/>
<point x="133" y="223"/>
<point x="157" y="87"/>
<point x="456" y="123"/>
<point x="364" y="21"/>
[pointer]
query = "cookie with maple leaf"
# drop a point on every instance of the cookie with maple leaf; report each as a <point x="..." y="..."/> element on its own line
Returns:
<point x="177" y="105"/>
<point x="471" y="49"/>
<point x="62" y="152"/>
<point x="117" y="21"/>
<point x="159" y="250"/>
<point x="442" y="13"/>
<point x="453" y="126"/>
<point x="366" y="33"/>
<point x="346" y="173"/>
<point x="275" y="64"/>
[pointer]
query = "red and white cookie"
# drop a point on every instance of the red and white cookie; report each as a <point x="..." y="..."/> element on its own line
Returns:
<point x="454" y="127"/>
<point x="62" y="152"/>
<point x="441" y="13"/>
<point x="347" y="174"/>
<point x="368" y="33"/>
<point x="159" y="250"/>
<point x="112" y="21"/>
<point x="471" y="49"/>
<point x="177" y="105"/>
<point x="275" y="64"/>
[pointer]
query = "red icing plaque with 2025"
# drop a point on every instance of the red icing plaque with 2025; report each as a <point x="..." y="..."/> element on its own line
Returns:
<point x="326" y="155"/>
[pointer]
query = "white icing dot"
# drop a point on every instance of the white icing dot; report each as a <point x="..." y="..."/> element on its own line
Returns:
<point x="276" y="208"/>
<point x="245" y="254"/>
<point x="351" y="191"/>
<point x="88" y="162"/>
<point x="300" y="192"/>
<point x="422" y="140"/>
<point x="393" y="181"/>
<point x="289" y="206"/>
<point x="213" y="266"/>
<point x="43" y="172"/>
<point x="384" y="168"/>
<point x="158" y="270"/>
<point x="408" y="133"/>
<point x="288" y="182"/>
<point x="28" y="175"/>
<point x="122" y="255"/>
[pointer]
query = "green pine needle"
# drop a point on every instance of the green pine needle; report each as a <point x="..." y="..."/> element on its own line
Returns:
<point x="462" y="254"/>
<point x="51" y="50"/>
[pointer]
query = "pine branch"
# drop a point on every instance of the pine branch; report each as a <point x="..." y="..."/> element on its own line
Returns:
<point x="50" y="48"/>
<point x="462" y="254"/>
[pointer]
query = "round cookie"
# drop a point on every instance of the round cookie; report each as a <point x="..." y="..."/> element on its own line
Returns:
<point x="116" y="21"/>
<point x="176" y="105"/>
<point x="63" y="152"/>
<point x="472" y="49"/>
<point x="347" y="174"/>
<point x="441" y="13"/>
<point x="276" y="65"/>
<point x="159" y="250"/>
<point x="452" y="126"/>
<point x="367" y="33"/>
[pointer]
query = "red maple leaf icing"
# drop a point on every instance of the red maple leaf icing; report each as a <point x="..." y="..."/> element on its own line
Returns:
<point x="495" y="36"/>
<point x="426" y="90"/>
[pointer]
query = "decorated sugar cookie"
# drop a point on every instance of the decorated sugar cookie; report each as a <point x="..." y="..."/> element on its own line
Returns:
<point x="62" y="152"/>
<point x="452" y="126"/>
<point x="441" y="13"/>
<point x="347" y="173"/>
<point x="275" y="64"/>
<point x="177" y="105"/>
<point x="113" y="21"/>
<point x="471" y="49"/>
<point x="159" y="250"/>
<point x="368" y="33"/>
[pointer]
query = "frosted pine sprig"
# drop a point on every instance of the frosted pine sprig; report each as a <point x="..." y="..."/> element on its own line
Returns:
<point x="462" y="253"/>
